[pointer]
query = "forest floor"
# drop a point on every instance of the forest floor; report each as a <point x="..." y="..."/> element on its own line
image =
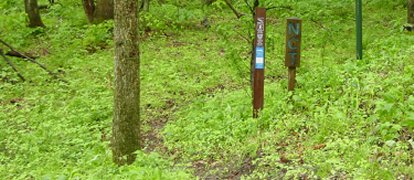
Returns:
<point x="347" y="119"/>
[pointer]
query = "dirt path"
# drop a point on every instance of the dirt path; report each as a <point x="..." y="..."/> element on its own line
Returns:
<point x="156" y="118"/>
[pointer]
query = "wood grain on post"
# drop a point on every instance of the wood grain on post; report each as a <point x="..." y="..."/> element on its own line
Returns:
<point x="259" y="61"/>
<point x="292" y="78"/>
<point x="293" y="45"/>
<point x="293" y="42"/>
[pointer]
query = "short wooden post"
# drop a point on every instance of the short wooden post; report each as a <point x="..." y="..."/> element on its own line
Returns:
<point x="293" y="44"/>
<point x="259" y="61"/>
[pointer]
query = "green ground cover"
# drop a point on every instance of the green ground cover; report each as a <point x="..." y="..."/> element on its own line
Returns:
<point x="347" y="119"/>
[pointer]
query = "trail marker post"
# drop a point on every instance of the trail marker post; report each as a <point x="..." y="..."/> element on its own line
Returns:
<point x="293" y="44"/>
<point x="259" y="61"/>
<point x="358" y="12"/>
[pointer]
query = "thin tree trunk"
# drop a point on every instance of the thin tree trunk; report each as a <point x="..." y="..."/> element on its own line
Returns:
<point x="32" y="11"/>
<point x="126" y="120"/>
<point x="410" y="8"/>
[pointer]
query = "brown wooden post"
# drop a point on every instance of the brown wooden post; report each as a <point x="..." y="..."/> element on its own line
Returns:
<point x="259" y="61"/>
<point x="291" y="78"/>
<point x="293" y="43"/>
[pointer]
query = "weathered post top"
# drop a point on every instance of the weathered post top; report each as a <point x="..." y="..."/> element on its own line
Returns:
<point x="293" y="42"/>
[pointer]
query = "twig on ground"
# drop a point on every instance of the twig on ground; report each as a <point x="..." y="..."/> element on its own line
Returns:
<point x="26" y="57"/>
<point x="11" y="65"/>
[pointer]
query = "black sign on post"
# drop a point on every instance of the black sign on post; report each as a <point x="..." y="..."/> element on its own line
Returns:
<point x="259" y="61"/>
<point x="293" y="43"/>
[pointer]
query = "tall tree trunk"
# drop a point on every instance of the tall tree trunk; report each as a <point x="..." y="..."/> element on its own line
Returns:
<point x="89" y="8"/>
<point x="32" y="11"/>
<point x="99" y="12"/>
<point x="126" y="121"/>
<point x="104" y="10"/>
<point x="410" y="8"/>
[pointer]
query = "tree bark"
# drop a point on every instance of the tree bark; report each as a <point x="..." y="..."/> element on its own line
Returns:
<point x="410" y="8"/>
<point x="89" y="8"/>
<point x="126" y="121"/>
<point x="104" y="10"/>
<point x="99" y="12"/>
<point x="32" y="11"/>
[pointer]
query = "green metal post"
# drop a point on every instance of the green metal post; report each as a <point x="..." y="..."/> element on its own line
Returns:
<point x="359" y="29"/>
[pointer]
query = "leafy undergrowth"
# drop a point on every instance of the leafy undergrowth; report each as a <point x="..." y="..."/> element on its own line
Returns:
<point x="346" y="118"/>
<point x="363" y="131"/>
<point x="55" y="130"/>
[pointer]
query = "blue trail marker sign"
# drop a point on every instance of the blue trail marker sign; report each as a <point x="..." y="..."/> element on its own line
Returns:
<point x="293" y="44"/>
<point x="259" y="61"/>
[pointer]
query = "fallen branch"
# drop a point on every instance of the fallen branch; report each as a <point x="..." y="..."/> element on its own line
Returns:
<point x="15" y="54"/>
<point x="26" y="57"/>
<point x="12" y="65"/>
